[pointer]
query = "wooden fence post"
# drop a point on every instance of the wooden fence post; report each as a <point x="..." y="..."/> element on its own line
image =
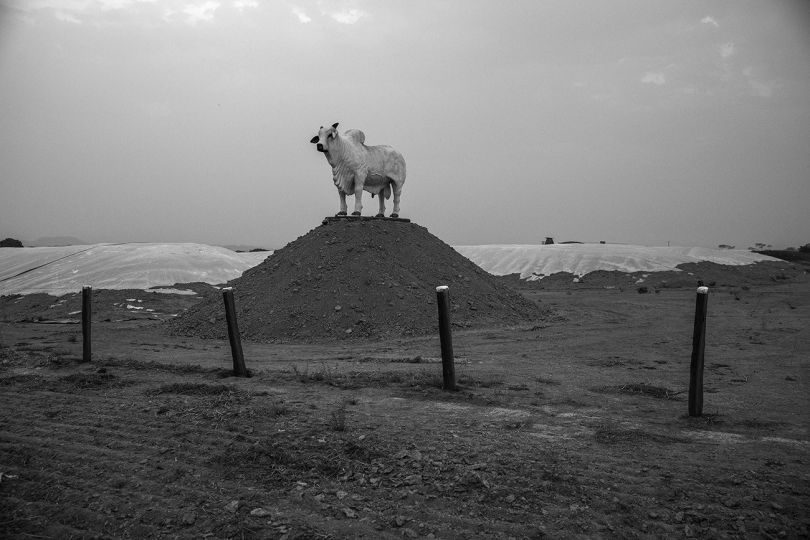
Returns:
<point x="698" y="348"/>
<point x="87" y="309"/>
<point x="446" y="338"/>
<point x="235" y="340"/>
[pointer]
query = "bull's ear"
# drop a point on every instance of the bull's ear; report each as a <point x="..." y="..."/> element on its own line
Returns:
<point x="335" y="125"/>
<point x="314" y="139"/>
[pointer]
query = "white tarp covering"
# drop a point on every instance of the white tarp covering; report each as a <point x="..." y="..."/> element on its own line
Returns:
<point x="537" y="261"/>
<point x="61" y="270"/>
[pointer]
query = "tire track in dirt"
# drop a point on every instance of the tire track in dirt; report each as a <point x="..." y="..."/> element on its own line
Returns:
<point x="92" y="434"/>
<point x="108" y="427"/>
<point x="43" y="440"/>
<point x="66" y="496"/>
<point x="108" y="466"/>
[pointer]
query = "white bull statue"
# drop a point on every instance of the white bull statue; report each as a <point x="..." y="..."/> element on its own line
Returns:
<point x="380" y="170"/>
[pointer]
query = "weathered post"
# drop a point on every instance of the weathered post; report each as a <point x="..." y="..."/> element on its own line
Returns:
<point x="235" y="340"/>
<point x="87" y="308"/>
<point x="698" y="348"/>
<point x="446" y="338"/>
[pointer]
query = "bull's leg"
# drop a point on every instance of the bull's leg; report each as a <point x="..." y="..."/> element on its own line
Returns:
<point x="343" y="206"/>
<point x="381" y="197"/>
<point x="397" y="193"/>
<point x="358" y="194"/>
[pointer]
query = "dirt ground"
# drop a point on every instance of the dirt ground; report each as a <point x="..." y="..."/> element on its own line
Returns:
<point x="574" y="427"/>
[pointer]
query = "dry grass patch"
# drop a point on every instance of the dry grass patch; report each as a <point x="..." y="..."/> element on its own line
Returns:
<point x="293" y="456"/>
<point x="634" y="389"/>
<point x="547" y="380"/>
<point x="350" y="380"/>
<point x="194" y="389"/>
<point x="608" y="433"/>
<point x="490" y="380"/>
<point x="131" y="363"/>
<point x="88" y="381"/>
<point x="27" y="380"/>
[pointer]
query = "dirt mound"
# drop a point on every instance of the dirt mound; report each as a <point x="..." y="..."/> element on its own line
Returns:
<point x="351" y="279"/>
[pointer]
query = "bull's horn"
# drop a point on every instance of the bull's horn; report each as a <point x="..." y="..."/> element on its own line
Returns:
<point x="335" y="125"/>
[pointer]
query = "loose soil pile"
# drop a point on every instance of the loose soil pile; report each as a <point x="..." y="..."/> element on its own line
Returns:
<point x="358" y="279"/>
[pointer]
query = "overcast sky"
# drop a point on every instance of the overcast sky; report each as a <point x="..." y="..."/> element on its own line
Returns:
<point x="647" y="121"/>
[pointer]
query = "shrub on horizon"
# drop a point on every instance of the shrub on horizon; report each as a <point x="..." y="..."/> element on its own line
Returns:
<point x="10" y="242"/>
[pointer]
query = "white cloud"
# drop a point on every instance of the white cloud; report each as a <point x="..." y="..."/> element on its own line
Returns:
<point x="61" y="5"/>
<point x="301" y="14"/>
<point x="196" y="13"/>
<point x="710" y="20"/>
<point x="348" y="16"/>
<point x="108" y="5"/>
<point x="74" y="6"/>
<point x="727" y="49"/>
<point x="66" y="17"/>
<point x="97" y="12"/>
<point x="654" y="77"/>
<point x="242" y="5"/>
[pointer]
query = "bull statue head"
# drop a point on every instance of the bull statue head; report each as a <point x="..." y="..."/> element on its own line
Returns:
<point x="324" y="136"/>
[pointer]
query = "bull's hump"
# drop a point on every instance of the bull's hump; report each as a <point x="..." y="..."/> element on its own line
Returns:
<point x="356" y="135"/>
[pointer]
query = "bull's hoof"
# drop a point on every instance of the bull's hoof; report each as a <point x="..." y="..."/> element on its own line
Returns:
<point x="380" y="215"/>
<point x="394" y="215"/>
<point x="341" y="213"/>
<point x="355" y="213"/>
